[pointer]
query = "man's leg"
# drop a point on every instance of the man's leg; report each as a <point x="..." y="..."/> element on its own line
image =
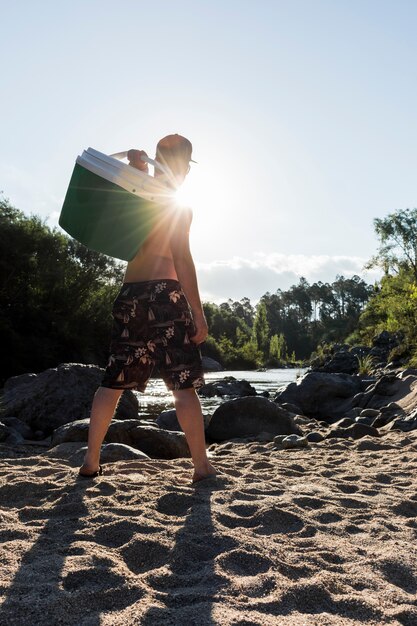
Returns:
<point x="102" y="411"/>
<point x="190" y="417"/>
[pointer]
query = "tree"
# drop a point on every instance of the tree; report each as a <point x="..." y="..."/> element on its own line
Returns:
<point x="261" y="329"/>
<point x="398" y="242"/>
<point x="55" y="296"/>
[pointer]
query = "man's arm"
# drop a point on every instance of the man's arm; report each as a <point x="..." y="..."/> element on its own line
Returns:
<point x="185" y="268"/>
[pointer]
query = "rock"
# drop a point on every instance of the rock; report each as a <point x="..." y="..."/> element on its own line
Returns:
<point x="315" y="436"/>
<point x="249" y="416"/>
<point x="156" y="442"/>
<point x="407" y="372"/>
<point x="401" y="392"/>
<point x="13" y="437"/>
<point x="264" y="394"/>
<point x="169" y="421"/>
<point x="344" y="422"/>
<point x="354" y="412"/>
<point x="291" y="408"/>
<point x="17" y="424"/>
<point x="4" y="432"/>
<point x="111" y="452"/>
<point x="57" y="396"/>
<point x="294" y="441"/>
<point x="265" y="436"/>
<point x="355" y="430"/>
<point x="322" y="394"/>
<point x="70" y="451"/>
<point x="228" y="386"/>
<point x="279" y="438"/>
<point x="400" y="423"/>
<point x="369" y="413"/>
<point x="341" y="362"/>
<point x="365" y="420"/>
<point x="301" y="419"/>
<point x="16" y="381"/>
<point x="392" y="409"/>
<point x="210" y="365"/>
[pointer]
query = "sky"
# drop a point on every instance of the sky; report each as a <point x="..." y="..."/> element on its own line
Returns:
<point x="301" y="114"/>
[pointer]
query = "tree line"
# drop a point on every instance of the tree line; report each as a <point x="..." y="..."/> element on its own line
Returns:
<point x="285" y="327"/>
<point x="56" y="297"/>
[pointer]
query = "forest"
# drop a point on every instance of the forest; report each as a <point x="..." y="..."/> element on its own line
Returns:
<point x="56" y="297"/>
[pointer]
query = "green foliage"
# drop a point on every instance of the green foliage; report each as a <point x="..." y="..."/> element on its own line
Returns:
<point x="398" y="242"/>
<point x="393" y="304"/>
<point x="260" y="331"/>
<point x="55" y="296"/>
<point x="365" y="364"/>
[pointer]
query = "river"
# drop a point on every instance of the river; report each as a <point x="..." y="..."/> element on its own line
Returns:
<point x="156" y="397"/>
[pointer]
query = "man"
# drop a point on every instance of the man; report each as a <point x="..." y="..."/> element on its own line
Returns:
<point x="158" y="320"/>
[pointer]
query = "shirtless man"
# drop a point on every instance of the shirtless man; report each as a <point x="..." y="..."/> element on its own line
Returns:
<point x="158" y="319"/>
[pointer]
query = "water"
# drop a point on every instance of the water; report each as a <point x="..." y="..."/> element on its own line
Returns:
<point x="156" y="397"/>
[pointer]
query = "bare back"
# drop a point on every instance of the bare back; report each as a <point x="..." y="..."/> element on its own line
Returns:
<point x="154" y="259"/>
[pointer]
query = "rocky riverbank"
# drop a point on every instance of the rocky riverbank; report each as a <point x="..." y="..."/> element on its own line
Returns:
<point x="312" y="520"/>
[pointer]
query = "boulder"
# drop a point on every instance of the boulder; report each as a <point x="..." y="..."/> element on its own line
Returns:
<point x="228" y="386"/>
<point x="21" y="427"/>
<point x="355" y="431"/>
<point x="169" y="421"/>
<point x="57" y="396"/>
<point x="390" y="390"/>
<point x="156" y="442"/>
<point x="74" y="453"/>
<point x="4" y="432"/>
<point x="341" y="362"/>
<point x="369" y="413"/>
<point x="243" y="417"/>
<point x="405" y="424"/>
<point x="210" y="365"/>
<point x="314" y="436"/>
<point x="322" y="395"/>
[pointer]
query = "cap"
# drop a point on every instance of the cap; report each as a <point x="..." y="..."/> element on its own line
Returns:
<point x="176" y="143"/>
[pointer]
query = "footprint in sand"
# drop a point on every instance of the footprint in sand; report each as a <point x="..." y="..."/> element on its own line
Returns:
<point x="265" y="521"/>
<point x="244" y="510"/>
<point x="87" y="584"/>
<point x="328" y="517"/>
<point x="407" y="508"/>
<point x="347" y="488"/>
<point x="142" y="554"/>
<point x="244" y="563"/>
<point x="118" y="533"/>
<point x="385" y="479"/>
<point x="352" y="503"/>
<point x="398" y="573"/>
<point x="176" y="504"/>
<point x="310" y="502"/>
<point x="263" y="465"/>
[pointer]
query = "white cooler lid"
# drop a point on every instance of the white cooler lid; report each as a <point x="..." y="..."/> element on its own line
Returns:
<point x="129" y="178"/>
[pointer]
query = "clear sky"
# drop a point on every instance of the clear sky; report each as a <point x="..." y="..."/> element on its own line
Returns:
<point x="301" y="114"/>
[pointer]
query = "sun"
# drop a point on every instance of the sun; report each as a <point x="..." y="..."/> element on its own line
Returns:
<point x="189" y="193"/>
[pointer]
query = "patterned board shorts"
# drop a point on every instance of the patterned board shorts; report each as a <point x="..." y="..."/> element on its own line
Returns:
<point x="152" y="325"/>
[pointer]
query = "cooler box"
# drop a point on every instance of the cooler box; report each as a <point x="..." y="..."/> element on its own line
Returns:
<point x="110" y="206"/>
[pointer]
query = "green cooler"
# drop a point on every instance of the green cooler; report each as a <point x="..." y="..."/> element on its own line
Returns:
<point x="110" y="206"/>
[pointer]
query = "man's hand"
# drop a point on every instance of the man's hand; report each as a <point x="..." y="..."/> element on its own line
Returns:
<point x="201" y="327"/>
<point x="135" y="160"/>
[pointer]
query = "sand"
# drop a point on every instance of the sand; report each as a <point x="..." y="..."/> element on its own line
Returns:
<point x="317" y="536"/>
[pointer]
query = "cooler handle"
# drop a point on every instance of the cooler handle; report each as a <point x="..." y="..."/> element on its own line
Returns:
<point x="122" y="155"/>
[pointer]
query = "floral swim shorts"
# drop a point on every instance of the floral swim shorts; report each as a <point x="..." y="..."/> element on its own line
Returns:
<point x="152" y="325"/>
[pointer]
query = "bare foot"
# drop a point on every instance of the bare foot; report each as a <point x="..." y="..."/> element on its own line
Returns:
<point x="208" y="472"/>
<point x="88" y="469"/>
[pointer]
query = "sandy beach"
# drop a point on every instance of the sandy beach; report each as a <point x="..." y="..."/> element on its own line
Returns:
<point x="317" y="536"/>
